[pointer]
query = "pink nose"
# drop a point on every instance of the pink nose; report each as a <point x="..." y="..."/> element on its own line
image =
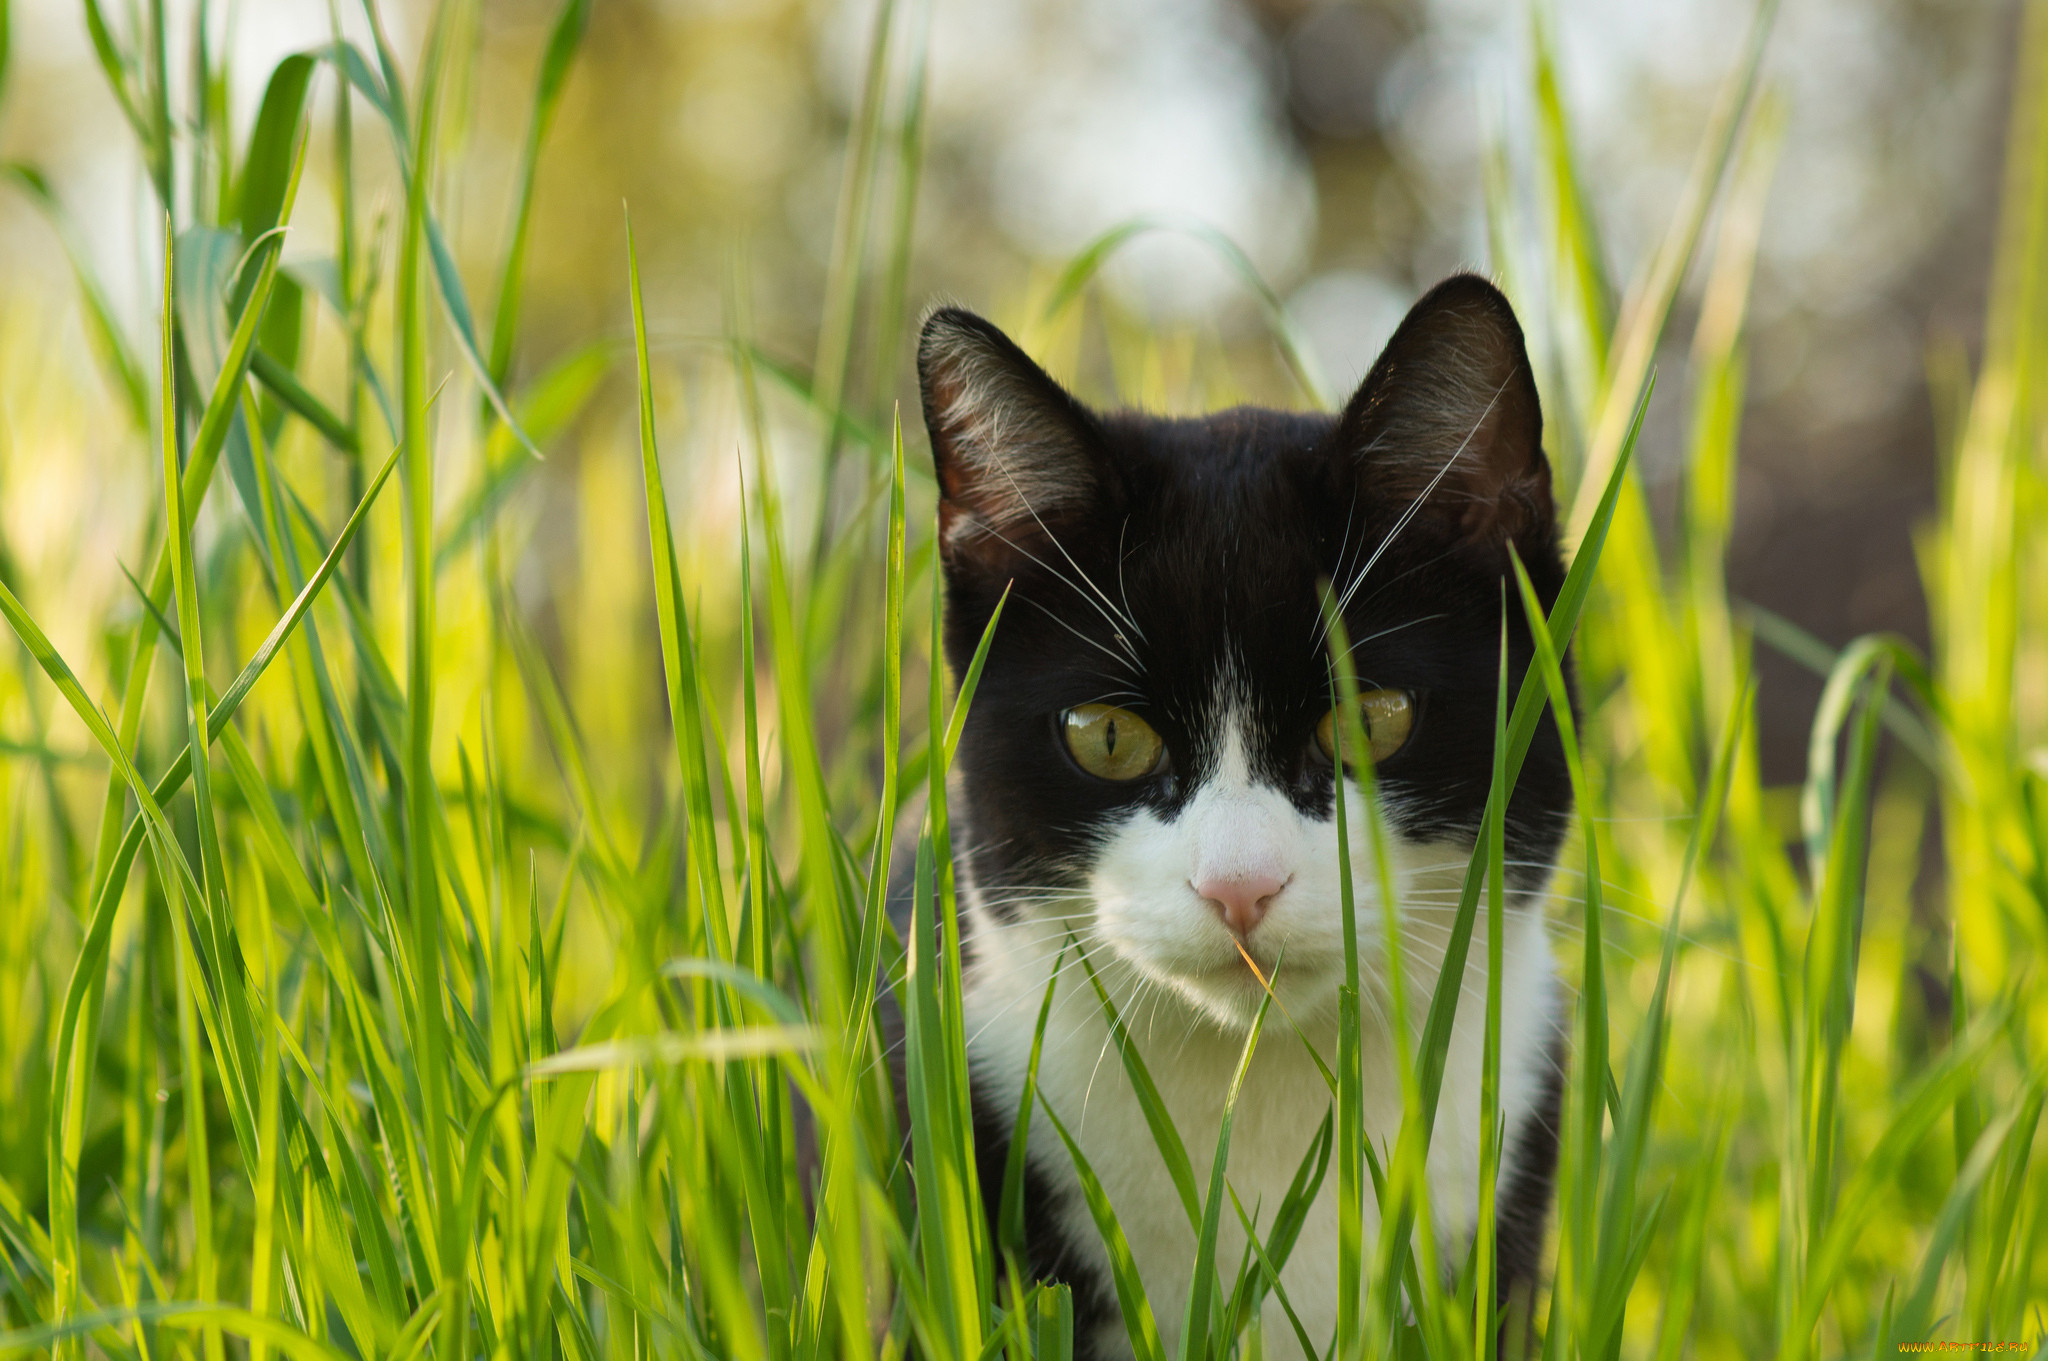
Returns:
<point x="1241" y="900"/>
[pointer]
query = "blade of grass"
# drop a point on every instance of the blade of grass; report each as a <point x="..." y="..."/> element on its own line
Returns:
<point x="441" y="1229"/>
<point x="1920" y="1108"/>
<point x="1409" y="1206"/>
<point x="1288" y="1220"/>
<point x="887" y="347"/>
<point x="1644" y="1078"/>
<point x="1123" y="1269"/>
<point x="678" y="656"/>
<point x="268" y="166"/>
<point x="233" y="1067"/>
<point x="1195" y="1322"/>
<point x="844" y="271"/>
<point x="385" y="98"/>
<point x="959" y="1266"/>
<point x="1493" y="832"/>
<point x="182" y="1314"/>
<point x="283" y="384"/>
<point x="1158" y="1119"/>
<point x="1010" y="1231"/>
<point x="563" y="42"/>
<point x="1625" y="370"/>
<point x="1089" y="260"/>
<point x="1915" y="1318"/>
<point x="1564" y="618"/>
<point x="107" y="337"/>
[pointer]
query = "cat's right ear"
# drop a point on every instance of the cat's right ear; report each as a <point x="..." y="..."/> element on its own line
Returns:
<point x="1016" y="456"/>
<point x="1448" y="420"/>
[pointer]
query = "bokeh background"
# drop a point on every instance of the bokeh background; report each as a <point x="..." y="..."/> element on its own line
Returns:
<point x="1309" y="168"/>
<point x="1343" y="144"/>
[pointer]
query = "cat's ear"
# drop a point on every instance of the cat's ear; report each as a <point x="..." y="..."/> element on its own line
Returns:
<point x="1449" y="417"/>
<point x="1016" y="455"/>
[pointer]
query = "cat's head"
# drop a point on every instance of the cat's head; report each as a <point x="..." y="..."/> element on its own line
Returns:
<point x="1147" y="755"/>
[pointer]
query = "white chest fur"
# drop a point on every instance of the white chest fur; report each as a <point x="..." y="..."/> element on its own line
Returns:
<point x="1191" y="1056"/>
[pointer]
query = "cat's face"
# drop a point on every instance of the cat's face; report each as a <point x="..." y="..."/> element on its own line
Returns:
<point x="1147" y="758"/>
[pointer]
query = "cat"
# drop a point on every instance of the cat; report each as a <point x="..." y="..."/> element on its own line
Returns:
<point x="1147" y="766"/>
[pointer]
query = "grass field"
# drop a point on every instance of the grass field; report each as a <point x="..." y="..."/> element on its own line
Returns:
<point x="420" y="1018"/>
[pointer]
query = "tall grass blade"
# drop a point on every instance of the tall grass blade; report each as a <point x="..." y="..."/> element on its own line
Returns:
<point x="564" y="40"/>
<point x="1626" y="369"/>
<point x="1294" y="349"/>
<point x="1194" y="1329"/>
<point x="114" y="350"/>
<point x="1139" y="1321"/>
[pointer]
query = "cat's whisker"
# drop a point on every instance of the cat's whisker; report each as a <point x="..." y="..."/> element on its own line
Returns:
<point x="1187" y="1032"/>
<point x="1374" y="637"/>
<point x="1369" y="995"/>
<point x="1153" y="1013"/>
<point x="1447" y="900"/>
<point x="1411" y="921"/>
<point x="1015" y="886"/>
<point x="1034" y="997"/>
<point x="1049" y="944"/>
<point x="1040" y="934"/>
<point x="1053" y="538"/>
<point x="1437" y="866"/>
<point x="1432" y="966"/>
<point x="1344" y="546"/>
<point x="1036" y="896"/>
<point x="1046" y="943"/>
<point x="1608" y="886"/>
<point x="1002" y="1013"/>
<point x="1122" y="588"/>
<point x="1611" y="888"/>
<point x="1019" y="1003"/>
<point x="1107" y="608"/>
<point x="1049" y="613"/>
<point x="1413" y="507"/>
<point x="1036" y="901"/>
<point x="1564" y="926"/>
<point x="1565" y="870"/>
<point x="1108" y="1040"/>
<point x="967" y="846"/>
<point x="1402" y="576"/>
<point x="1131" y="1008"/>
<point x="1059" y="919"/>
<point x="1082" y="909"/>
<point x="1059" y="905"/>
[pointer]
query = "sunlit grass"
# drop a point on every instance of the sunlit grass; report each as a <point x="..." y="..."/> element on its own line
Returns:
<point x="506" y="983"/>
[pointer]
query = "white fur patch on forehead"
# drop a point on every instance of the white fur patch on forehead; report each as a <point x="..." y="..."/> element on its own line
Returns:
<point x="1226" y="731"/>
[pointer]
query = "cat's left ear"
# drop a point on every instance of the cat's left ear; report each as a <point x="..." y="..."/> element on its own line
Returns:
<point x="1449" y="417"/>
<point x="1016" y="456"/>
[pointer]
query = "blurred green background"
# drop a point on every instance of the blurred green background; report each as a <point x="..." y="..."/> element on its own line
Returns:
<point x="1312" y="166"/>
<point x="1340" y="144"/>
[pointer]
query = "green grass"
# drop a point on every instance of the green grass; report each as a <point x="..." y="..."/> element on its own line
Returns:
<point x="424" y="1026"/>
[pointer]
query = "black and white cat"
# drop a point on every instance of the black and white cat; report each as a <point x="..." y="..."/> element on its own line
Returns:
<point x="1147" y="763"/>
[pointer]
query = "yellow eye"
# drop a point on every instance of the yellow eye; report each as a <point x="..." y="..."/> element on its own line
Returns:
<point x="1113" y="743"/>
<point x="1388" y="715"/>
